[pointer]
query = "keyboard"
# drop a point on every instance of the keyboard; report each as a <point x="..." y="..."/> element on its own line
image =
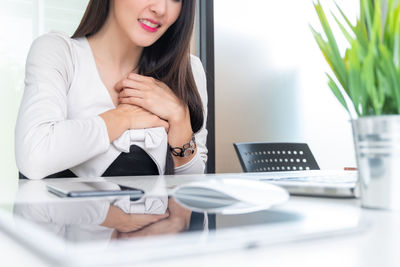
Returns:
<point x="312" y="176"/>
<point x="323" y="183"/>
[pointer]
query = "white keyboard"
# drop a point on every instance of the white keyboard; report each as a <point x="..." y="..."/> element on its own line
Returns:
<point x="312" y="176"/>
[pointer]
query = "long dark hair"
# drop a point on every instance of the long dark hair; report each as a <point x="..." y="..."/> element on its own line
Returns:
<point x="167" y="60"/>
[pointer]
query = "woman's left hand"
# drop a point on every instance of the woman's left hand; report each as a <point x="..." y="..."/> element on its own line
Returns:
<point x="152" y="95"/>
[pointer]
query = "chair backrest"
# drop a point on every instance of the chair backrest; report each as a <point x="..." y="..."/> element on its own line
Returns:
<point x="268" y="157"/>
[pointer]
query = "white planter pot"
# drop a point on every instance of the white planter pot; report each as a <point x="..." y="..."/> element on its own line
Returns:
<point x="377" y="143"/>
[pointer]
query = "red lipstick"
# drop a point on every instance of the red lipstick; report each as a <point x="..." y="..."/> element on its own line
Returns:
<point x="148" y="27"/>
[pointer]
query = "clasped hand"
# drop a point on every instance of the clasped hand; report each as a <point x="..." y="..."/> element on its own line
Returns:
<point x="152" y="102"/>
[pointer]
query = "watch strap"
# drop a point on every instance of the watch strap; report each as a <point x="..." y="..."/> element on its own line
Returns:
<point x="186" y="150"/>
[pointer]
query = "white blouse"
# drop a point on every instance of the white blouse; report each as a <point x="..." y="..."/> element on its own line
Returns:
<point x="58" y="126"/>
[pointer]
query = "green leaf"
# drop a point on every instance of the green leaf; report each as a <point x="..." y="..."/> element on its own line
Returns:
<point x="345" y="17"/>
<point x="343" y="29"/>
<point x="366" y="7"/>
<point x="368" y="77"/>
<point x="336" y="59"/>
<point x="354" y="73"/>
<point x="387" y="67"/>
<point x="395" y="36"/>
<point x="332" y="60"/>
<point x="335" y="90"/>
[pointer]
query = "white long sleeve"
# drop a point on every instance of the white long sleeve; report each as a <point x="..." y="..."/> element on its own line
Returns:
<point x="46" y="140"/>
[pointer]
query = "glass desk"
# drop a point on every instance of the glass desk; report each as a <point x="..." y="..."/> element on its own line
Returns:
<point x="68" y="232"/>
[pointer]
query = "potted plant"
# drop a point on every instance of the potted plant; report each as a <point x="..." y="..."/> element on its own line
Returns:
<point x="366" y="81"/>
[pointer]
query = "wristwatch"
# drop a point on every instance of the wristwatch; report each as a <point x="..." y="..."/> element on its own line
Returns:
<point x="184" y="151"/>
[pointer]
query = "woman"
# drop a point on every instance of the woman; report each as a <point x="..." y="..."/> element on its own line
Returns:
<point x="101" y="103"/>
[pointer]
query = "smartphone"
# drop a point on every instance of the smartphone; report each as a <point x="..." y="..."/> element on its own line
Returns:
<point x="92" y="189"/>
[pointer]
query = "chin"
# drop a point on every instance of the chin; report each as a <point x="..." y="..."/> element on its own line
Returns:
<point x="147" y="44"/>
<point x="144" y="43"/>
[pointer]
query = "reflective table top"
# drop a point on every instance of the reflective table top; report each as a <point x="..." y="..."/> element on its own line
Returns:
<point x="107" y="230"/>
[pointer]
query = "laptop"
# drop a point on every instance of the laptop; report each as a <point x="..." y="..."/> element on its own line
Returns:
<point x="325" y="183"/>
<point x="293" y="166"/>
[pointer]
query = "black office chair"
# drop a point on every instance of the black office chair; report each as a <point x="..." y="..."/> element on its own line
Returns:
<point x="267" y="157"/>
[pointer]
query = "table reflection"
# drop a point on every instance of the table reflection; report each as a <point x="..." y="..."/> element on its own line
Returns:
<point x="105" y="219"/>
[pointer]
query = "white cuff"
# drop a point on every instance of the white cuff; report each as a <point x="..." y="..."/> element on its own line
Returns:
<point x="194" y="166"/>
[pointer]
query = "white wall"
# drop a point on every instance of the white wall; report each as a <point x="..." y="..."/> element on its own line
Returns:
<point x="270" y="81"/>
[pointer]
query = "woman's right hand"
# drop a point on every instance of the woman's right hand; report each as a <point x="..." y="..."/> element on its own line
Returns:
<point x="140" y="118"/>
<point x="124" y="222"/>
<point x="126" y="117"/>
